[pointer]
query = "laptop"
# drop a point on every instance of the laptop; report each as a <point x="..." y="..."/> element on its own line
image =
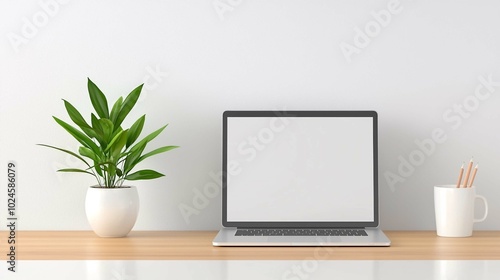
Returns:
<point x="300" y="178"/>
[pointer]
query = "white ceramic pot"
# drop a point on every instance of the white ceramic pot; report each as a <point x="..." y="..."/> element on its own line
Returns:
<point x="112" y="212"/>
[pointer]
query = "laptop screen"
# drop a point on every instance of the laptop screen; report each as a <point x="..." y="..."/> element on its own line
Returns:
<point x="300" y="168"/>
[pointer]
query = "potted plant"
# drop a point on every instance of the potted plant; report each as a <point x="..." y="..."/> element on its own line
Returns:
<point x="110" y="153"/>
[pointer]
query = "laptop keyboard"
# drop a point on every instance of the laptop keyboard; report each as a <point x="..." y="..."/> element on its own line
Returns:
<point x="301" y="232"/>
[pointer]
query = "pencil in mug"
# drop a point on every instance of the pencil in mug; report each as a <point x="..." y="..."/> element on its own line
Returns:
<point x="460" y="175"/>
<point x="467" y="174"/>
<point x="473" y="175"/>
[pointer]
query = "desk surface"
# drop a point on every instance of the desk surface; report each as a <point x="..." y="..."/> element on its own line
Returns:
<point x="197" y="245"/>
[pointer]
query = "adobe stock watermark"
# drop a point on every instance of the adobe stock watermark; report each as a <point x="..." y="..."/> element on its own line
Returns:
<point x="454" y="118"/>
<point x="122" y="275"/>
<point x="250" y="147"/>
<point x="310" y="265"/>
<point x="154" y="77"/>
<point x="222" y="7"/>
<point x="31" y="26"/>
<point x="363" y="37"/>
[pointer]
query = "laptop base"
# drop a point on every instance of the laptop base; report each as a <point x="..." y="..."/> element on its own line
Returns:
<point x="226" y="237"/>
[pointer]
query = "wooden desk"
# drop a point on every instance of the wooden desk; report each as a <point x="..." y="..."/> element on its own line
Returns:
<point x="197" y="245"/>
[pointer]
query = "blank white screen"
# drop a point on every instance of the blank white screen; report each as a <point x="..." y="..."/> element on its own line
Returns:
<point x="296" y="169"/>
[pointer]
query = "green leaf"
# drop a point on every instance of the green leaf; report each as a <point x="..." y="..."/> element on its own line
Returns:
<point x="117" y="130"/>
<point x="128" y="104"/>
<point x="86" y="152"/>
<point x="145" y="174"/>
<point x="131" y="160"/>
<point x="79" y="136"/>
<point x="138" y="148"/>
<point x="155" y="152"/>
<point x="107" y="129"/>
<point x="98" y="129"/>
<point x="119" y="144"/>
<point x="135" y="130"/>
<point x="97" y="168"/>
<point x="66" y="151"/>
<point x="116" y="109"/>
<point x="111" y="172"/>
<point x="98" y="100"/>
<point x="74" y="170"/>
<point x="115" y="138"/>
<point x="148" y="138"/>
<point x="77" y="118"/>
<point x="90" y="132"/>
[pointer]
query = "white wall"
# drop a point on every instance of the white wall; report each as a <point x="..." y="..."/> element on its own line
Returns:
<point x="197" y="62"/>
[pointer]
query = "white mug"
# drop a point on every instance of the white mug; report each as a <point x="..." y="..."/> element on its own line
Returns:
<point x="454" y="208"/>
